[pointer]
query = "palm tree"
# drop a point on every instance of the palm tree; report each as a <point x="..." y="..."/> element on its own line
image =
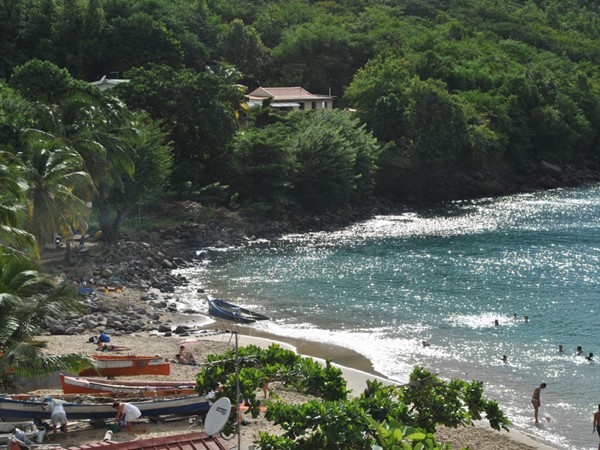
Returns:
<point x="12" y="207"/>
<point x="57" y="185"/>
<point x="27" y="299"/>
<point x="100" y="129"/>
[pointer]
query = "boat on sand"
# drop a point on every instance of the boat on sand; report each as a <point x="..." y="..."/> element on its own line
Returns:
<point x="225" y="310"/>
<point x="128" y="365"/>
<point x="100" y="408"/>
<point x="82" y="385"/>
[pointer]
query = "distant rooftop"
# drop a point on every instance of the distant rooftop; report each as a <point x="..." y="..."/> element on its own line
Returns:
<point x="108" y="83"/>
<point x="286" y="93"/>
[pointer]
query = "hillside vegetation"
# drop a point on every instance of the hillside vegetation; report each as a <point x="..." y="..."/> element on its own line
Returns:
<point x="451" y="98"/>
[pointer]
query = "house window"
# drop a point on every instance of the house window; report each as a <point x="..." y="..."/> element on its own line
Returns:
<point x="314" y="105"/>
<point x="324" y="105"/>
<point x="301" y="106"/>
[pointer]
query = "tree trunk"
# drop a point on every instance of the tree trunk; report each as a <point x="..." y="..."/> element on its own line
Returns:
<point x="110" y="227"/>
<point x="68" y="259"/>
<point x="109" y="234"/>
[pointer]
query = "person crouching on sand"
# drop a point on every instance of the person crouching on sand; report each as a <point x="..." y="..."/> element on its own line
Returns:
<point x="126" y="413"/>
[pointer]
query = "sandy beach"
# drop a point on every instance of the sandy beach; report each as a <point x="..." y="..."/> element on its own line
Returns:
<point x="480" y="437"/>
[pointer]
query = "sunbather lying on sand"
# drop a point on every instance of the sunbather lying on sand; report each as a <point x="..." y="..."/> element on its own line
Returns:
<point x="102" y="347"/>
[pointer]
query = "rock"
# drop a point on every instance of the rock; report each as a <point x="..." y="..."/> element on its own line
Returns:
<point x="180" y="329"/>
<point x="106" y="273"/>
<point x="164" y="328"/>
<point x="57" y="330"/>
<point x="91" y="324"/>
<point x="167" y="264"/>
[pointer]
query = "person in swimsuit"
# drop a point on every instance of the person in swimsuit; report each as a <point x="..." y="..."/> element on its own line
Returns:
<point x="110" y="348"/>
<point x="536" y="400"/>
<point x="596" y="424"/>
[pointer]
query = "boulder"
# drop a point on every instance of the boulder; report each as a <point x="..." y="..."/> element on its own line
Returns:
<point x="164" y="328"/>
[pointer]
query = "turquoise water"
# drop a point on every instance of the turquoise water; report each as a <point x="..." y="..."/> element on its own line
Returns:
<point x="445" y="275"/>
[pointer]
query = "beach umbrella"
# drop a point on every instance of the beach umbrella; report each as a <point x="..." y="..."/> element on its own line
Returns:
<point x="189" y="342"/>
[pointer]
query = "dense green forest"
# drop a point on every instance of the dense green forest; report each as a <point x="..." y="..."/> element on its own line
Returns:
<point x="434" y="99"/>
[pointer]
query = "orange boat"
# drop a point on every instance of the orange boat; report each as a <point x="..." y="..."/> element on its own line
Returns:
<point x="128" y="365"/>
<point x="80" y="385"/>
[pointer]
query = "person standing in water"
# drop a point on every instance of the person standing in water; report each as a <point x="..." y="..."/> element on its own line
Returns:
<point x="536" y="400"/>
<point x="596" y="424"/>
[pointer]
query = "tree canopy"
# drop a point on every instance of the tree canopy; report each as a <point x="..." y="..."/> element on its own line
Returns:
<point x="518" y="81"/>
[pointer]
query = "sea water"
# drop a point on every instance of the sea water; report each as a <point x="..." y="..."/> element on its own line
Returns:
<point x="445" y="275"/>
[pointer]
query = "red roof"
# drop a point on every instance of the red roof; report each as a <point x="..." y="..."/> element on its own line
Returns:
<point x="190" y="441"/>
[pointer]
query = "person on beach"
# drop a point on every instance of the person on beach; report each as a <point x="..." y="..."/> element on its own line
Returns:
<point x="579" y="351"/>
<point x="526" y="319"/>
<point x="58" y="416"/>
<point x="179" y="359"/>
<point x="496" y="323"/>
<point x="186" y="355"/>
<point x="536" y="400"/>
<point x="101" y="347"/>
<point x="103" y="337"/>
<point x="126" y="413"/>
<point x="560" y="348"/>
<point x="590" y="357"/>
<point x="212" y="394"/>
<point x="596" y="424"/>
<point x="514" y="316"/>
<point x="504" y="359"/>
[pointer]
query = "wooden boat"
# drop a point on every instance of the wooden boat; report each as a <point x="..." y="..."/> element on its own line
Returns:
<point x="128" y="365"/>
<point x="189" y="441"/>
<point x="220" y="308"/>
<point x="79" y="385"/>
<point x="31" y="408"/>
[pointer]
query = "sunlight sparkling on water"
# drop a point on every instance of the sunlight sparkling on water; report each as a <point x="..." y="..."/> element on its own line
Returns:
<point x="444" y="275"/>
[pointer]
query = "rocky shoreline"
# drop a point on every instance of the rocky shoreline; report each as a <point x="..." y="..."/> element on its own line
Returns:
<point x="132" y="282"/>
<point x="142" y="262"/>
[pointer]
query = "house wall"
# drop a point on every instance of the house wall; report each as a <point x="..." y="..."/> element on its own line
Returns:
<point x="318" y="104"/>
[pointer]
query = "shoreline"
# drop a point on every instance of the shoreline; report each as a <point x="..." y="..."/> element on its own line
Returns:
<point x="349" y="360"/>
<point x="357" y="368"/>
<point x="481" y="436"/>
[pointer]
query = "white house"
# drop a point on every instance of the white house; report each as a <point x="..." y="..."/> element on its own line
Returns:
<point x="108" y="83"/>
<point x="290" y="98"/>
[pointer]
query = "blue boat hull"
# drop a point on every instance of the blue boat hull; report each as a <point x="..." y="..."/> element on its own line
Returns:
<point x="30" y="409"/>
